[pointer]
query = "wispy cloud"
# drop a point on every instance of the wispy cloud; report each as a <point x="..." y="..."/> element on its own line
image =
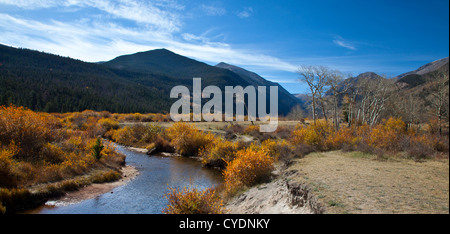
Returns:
<point x="246" y="13"/>
<point x="343" y="43"/>
<point x="159" y="14"/>
<point x="212" y="10"/>
<point x="94" y="41"/>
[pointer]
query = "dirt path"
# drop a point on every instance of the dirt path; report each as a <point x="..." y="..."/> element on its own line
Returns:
<point x="358" y="183"/>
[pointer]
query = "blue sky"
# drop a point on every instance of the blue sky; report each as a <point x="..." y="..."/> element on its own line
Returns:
<point x="271" y="38"/>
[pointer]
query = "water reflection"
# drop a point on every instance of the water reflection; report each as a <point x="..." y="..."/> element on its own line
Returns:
<point x="145" y="194"/>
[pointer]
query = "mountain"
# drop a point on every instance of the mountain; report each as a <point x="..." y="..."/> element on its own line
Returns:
<point x="138" y="82"/>
<point x="424" y="74"/>
<point x="180" y="70"/>
<point x="286" y="101"/>
<point x="250" y="77"/>
<point x="51" y="83"/>
<point x="427" y="68"/>
<point x="177" y="69"/>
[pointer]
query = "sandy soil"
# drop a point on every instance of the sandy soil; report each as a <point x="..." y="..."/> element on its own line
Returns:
<point x="95" y="190"/>
<point x="359" y="183"/>
<point x="270" y="198"/>
<point x="137" y="150"/>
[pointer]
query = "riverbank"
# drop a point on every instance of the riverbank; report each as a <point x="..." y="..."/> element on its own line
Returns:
<point x="96" y="189"/>
<point x="351" y="182"/>
<point x="280" y="196"/>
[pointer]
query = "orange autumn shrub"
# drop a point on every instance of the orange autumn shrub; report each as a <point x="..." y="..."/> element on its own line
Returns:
<point x="221" y="152"/>
<point x="340" y="138"/>
<point x="52" y="153"/>
<point x="109" y="124"/>
<point x="388" y="134"/>
<point x="313" y="135"/>
<point x="251" y="166"/>
<point x="28" y="129"/>
<point x="39" y="148"/>
<point x="124" y="136"/>
<point x="137" y="135"/>
<point x="7" y="164"/>
<point x="193" y="201"/>
<point x="188" y="140"/>
<point x="433" y="126"/>
<point x="276" y="149"/>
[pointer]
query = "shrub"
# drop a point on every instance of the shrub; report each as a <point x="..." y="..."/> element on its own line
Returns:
<point x="108" y="124"/>
<point x="314" y="135"/>
<point x="52" y="153"/>
<point x="163" y="145"/>
<point x="97" y="149"/>
<point x="283" y="132"/>
<point x="388" y="135"/>
<point x="124" y="136"/>
<point x="193" y="201"/>
<point x="219" y="154"/>
<point x="2" y="209"/>
<point x="148" y="133"/>
<point x="251" y="166"/>
<point x="105" y="177"/>
<point x="276" y="149"/>
<point x="7" y="177"/>
<point x="338" y="139"/>
<point x="188" y="140"/>
<point x="15" y="199"/>
<point x="28" y="129"/>
<point x="138" y="135"/>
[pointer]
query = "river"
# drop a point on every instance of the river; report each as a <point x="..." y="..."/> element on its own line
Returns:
<point x="145" y="194"/>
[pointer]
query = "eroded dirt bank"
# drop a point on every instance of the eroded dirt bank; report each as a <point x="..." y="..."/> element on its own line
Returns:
<point x="281" y="196"/>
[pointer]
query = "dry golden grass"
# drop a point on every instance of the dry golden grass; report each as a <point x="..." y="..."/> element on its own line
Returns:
<point x="359" y="183"/>
<point x="217" y="127"/>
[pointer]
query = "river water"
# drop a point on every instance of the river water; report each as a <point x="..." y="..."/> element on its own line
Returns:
<point x="145" y="194"/>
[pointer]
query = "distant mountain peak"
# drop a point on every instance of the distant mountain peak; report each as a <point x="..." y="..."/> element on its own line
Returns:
<point x="222" y="64"/>
<point x="427" y="68"/>
<point x="371" y="75"/>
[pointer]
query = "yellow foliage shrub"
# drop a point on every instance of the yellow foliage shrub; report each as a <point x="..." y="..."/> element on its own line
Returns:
<point x="314" y="135"/>
<point x="275" y="148"/>
<point x="250" y="167"/>
<point x="193" y="201"/>
<point x="7" y="178"/>
<point x="221" y="152"/>
<point x="188" y="140"/>
<point x="339" y="138"/>
<point x="124" y="136"/>
<point x="28" y="129"/>
<point x="108" y="124"/>
<point x="52" y="153"/>
<point x="388" y="134"/>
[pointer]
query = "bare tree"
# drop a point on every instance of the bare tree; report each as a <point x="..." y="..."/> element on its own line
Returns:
<point x="338" y="87"/>
<point x="308" y="76"/>
<point x="374" y="94"/>
<point x="440" y="97"/>
<point x="316" y="78"/>
<point x="296" y="113"/>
